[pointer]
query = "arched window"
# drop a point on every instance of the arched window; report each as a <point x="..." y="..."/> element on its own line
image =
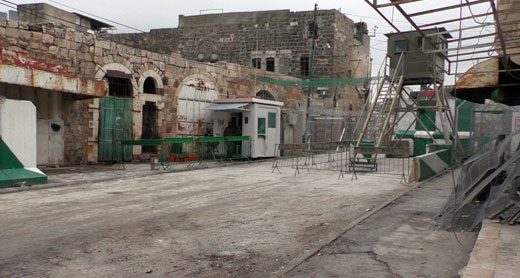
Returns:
<point x="149" y="86"/>
<point x="265" y="95"/>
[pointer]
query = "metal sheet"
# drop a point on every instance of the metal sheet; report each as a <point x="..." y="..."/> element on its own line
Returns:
<point x="225" y="106"/>
<point x="192" y="118"/>
<point x="481" y="75"/>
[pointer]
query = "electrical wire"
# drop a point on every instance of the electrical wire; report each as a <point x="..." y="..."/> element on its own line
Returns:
<point x="106" y="19"/>
<point x="38" y="14"/>
<point x="46" y="16"/>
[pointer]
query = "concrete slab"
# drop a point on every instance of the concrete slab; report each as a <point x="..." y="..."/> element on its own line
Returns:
<point x="398" y="241"/>
<point x="496" y="253"/>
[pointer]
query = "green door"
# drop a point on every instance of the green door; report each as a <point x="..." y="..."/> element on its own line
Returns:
<point x="115" y="119"/>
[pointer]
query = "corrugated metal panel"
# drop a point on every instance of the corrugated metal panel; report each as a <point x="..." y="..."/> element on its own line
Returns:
<point x="225" y="106"/>
<point x="193" y="119"/>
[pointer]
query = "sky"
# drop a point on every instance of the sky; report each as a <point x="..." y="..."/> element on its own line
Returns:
<point x="153" y="14"/>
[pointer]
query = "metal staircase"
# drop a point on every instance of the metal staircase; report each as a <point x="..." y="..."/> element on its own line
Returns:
<point x="382" y="106"/>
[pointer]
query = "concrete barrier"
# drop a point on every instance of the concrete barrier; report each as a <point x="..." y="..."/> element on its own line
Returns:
<point x="429" y="165"/>
<point x="18" y="144"/>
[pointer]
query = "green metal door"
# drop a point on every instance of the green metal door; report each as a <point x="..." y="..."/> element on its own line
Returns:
<point x="115" y="120"/>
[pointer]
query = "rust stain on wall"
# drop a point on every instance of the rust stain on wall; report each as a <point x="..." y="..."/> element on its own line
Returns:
<point x="25" y="60"/>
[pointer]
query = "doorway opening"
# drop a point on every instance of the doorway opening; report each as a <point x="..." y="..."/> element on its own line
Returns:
<point x="149" y="129"/>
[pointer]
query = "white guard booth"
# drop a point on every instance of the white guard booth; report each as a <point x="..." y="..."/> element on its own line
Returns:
<point x="257" y="118"/>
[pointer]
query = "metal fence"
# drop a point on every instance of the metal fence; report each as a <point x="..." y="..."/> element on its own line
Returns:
<point x="328" y="157"/>
<point x="341" y="157"/>
<point x="195" y="152"/>
<point x="383" y="160"/>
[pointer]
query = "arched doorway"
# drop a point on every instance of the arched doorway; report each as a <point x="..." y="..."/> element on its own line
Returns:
<point x="115" y="114"/>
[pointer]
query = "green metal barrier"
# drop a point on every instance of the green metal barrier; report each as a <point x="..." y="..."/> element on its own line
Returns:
<point x="197" y="150"/>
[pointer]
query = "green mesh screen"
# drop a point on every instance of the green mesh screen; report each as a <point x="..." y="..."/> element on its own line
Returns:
<point x="314" y="83"/>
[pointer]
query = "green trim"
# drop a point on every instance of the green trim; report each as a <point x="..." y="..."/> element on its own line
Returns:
<point x="7" y="158"/>
<point x="13" y="177"/>
<point x="237" y="138"/>
<point x="401" y="134"/>
<point x="178" y="140"/>
<point x="142" y="142"/>
<point x="211" y="139"/>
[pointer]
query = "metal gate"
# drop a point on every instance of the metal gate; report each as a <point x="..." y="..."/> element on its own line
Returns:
<point x="115" y="119"/>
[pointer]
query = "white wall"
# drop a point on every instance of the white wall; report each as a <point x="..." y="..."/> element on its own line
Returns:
<point x="18" y="129"/>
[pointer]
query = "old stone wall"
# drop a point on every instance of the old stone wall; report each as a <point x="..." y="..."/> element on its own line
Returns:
<point x="280" y="35"/>
<point x="66" y="52"/>
<point x="510" y="26"/>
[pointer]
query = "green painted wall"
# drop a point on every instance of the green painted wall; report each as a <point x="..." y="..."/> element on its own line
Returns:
<point x="424" y="115"/>
<point x="464" y="114"/>
<point x="7" y="159"/>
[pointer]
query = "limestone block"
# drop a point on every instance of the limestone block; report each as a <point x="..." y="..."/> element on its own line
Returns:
<point x="47" y="39"/>
<point x="53" y="50"/>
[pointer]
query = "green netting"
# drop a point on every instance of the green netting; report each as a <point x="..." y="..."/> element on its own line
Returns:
<point x="314" y="83"/>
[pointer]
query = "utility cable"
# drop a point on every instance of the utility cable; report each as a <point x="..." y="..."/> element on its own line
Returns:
<point x="106" y="19"/>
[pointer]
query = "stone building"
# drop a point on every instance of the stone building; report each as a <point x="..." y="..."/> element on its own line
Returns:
<point x="278" y="41"/>
<point x="42" y="13"/>
<point x="87" y="88"/>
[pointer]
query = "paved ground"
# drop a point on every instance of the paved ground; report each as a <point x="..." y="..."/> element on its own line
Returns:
<point x="239" y="221"/>
<point x="397" y="241"/>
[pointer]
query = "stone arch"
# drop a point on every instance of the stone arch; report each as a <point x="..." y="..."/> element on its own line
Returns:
<point x="263" y="87"/>
<point x="102" y="70"/>
<point x="264" y="94"/>
<point x="156" y="77"/>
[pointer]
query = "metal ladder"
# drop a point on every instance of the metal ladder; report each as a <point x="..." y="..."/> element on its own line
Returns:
<point x="382" y="106"/>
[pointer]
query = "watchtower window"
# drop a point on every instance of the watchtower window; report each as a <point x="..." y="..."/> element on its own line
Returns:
<point x="420" y="42"/>
<point x="400" y="46"/>
<point x="257" y="63"/>
<point x="269" y="64"/>
<point x="304" y="66"/>
<point x="265" y="95"/>
<point x="149" y="86"/>
<point x="119" y="87"/>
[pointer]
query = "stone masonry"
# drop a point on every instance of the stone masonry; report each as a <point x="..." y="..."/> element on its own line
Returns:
<point x="341" y="49"/>
<point x="85" y="55"/>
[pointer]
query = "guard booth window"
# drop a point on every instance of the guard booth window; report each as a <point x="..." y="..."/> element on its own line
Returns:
<point x="400" y="46"/>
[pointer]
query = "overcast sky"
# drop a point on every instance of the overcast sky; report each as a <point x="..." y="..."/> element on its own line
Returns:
<point x="152" y="14"/>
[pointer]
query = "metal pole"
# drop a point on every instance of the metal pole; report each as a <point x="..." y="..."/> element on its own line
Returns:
<point x="311" y="70"/>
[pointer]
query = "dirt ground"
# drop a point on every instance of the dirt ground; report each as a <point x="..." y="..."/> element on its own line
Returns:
<point x="237" y="221"/>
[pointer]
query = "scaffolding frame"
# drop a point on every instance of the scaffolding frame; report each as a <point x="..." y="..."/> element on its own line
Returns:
<point x="459" y="14"/>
